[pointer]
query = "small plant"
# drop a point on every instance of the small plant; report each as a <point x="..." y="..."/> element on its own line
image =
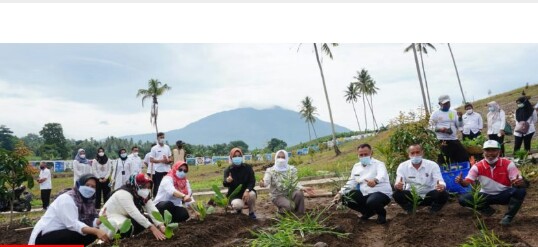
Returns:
<point x="124" y="228"/>
<point x="415" y="199"/>
<point x="477" y="200"/>
<point x="279" y="238"/>
<point x="520" y="157"/>
<point x="222" y="201"/>
<point x="288" y="182"/>
<point x="169" y="226"/>
<point x="484" y="238"/>
<point x="26" y="221"/>
<point x="202" y="210"/>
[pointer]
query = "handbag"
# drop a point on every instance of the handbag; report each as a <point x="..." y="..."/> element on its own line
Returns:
<point x="522" y="127"/>
<point x="508" y="129"/>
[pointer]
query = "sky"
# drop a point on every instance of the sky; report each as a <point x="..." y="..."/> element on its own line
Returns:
<point x="91" y="88"/>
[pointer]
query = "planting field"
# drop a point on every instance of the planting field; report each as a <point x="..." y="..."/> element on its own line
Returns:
<point x="451" y="227"/>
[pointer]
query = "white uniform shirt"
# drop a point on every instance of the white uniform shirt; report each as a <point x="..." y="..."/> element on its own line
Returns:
<point x="376" y="170"/>
<point x="531" y="121"/>
<point x="121" y="172"/>
<point x="135" y="163"/>
<point x="496" y="122"/>
<point x="166" y="192"/>
<point x="424" y="179"/>
<point x="61" y="214"/>
<point x="80" y="169"/>
<point x="47" y="184"/>
<point x="440" y="119"/>
<point x="472" y="123"/>
<point x="147" y="160"/>
<point x="158" y="152"/>
<point x="121" y="205"/>
<point x="102" y="171"/>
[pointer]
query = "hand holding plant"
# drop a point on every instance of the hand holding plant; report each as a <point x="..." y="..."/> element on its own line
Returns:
<point x="169" y="226"/>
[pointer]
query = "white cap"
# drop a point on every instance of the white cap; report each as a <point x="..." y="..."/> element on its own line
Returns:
<point x="444" y="98"/>
<point x="491" y="144"/>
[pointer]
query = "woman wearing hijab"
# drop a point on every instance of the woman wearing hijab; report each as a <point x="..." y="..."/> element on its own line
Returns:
<point x="81" y="165"/>
<point x="129" y="202"/>
<point x="175" y="193"/>
<point x="121" y="170"/>
<point x="102" y="168"/>
<point x="71" y="218"/>
<point x="286" y="192"/>
<point x="239" y="173"/>
<point x="496" y="124"/>
<point x="525" y="115"/>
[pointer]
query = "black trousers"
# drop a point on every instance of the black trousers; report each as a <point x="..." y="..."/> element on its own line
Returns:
<point x="157" y="178"/>
<point x="45" y="198"/>
<point x="64" y="237"/>
<point x="433" y="198"/>
<point x="500" y="199"/>
<point x="500" y="140"/>
<point x="471" y="135"/>
<point x="452" y="151"/>
<point x="102" y="190"/>
<point x="526" y="141"/>
<point x="367" y="205"/>
<point x="179" y="214"/>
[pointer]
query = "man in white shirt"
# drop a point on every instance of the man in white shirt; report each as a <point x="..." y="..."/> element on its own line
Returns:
<point x="444" y="122"/>
<point x="472" y="123"/>
<point x="45" y="184"/>
<point x="147" y="162"/>
<point x="425" y="176"/>
<point x="134" y="161"/>
<point x="368" y="189"/>
<point x="161" y="157"/>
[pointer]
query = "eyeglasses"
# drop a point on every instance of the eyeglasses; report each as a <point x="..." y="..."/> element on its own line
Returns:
<point x="182" y="170"/>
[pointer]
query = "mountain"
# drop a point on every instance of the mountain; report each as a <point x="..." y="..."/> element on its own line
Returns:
<point x="255" y="127"/>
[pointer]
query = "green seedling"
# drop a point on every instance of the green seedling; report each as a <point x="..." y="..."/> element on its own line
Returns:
<point x="477" y="200"/>
<point x="414" y="198"/>
<point x="124" y="228"/>
<point x="202" y="210"/>
<point x="222" y="201"/>
<point x="169" y="226"/>
<point x="288" y="184"/>
<point x="485" y="237"/>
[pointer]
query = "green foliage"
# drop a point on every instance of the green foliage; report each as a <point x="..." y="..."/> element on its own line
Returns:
<point x="476" y="142"/>
<point x="415" y="199"/>
<point x="484" y="238"/>
<point x="124" y="228"/>
<point x="295" y="160"/>
<point x="54" y="140"/>
<point x="477" y="199"/>
<point x="223" y="201"/>
<point x="202" y="210"/>
<point x="275" y="144"/>
<point x="169" y="226"/>
<point x="7" y="140"/>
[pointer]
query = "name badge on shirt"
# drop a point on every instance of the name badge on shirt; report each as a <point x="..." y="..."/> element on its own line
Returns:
<point x="427" y="175"/>
<point x="358" y="178"/>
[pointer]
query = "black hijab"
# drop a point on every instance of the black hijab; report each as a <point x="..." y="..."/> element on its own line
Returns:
<point x="119" y="154"/>
<point x="525" y="112"/>
<point x="101" y="159"/>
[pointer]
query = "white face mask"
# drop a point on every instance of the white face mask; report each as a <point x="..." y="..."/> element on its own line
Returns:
<point x="491" y="162"/>
<point x="123" y="155"/>
<point x="161" y="140"/>
<point x="470" y="111"/>
<point x="101" y="154"/>
<point x="82" y="156"/>
<point x="279" y="162"/>
<point x="135" y="154"/>
<point x="144" y="193"/>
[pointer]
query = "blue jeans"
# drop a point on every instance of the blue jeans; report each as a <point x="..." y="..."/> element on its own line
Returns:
<point x="501" y="199"/>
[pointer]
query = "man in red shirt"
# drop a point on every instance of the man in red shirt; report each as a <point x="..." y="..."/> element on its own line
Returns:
<point x="500" y="180"/>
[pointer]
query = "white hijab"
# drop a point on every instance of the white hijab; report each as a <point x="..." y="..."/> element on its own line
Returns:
<point x="282" y="168"/>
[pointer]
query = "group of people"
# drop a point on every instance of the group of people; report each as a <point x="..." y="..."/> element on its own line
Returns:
<point x="368" y="189"/>
<point x="446" y="123"/>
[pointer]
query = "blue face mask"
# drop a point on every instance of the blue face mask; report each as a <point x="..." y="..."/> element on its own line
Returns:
<point x="365" y="160"/>
<point x="445" y="108"/>
<point x="416" y="160"/>
<point x="237" y="160"/>
<point x="180" y="174"/>
<point x="86" y="191"/>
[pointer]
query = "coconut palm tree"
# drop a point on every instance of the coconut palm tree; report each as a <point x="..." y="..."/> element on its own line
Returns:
<point x="420" y="79"/>
<point x="327" y="50"/>
<point x="308" y="112"/>
<point x="352" y="95"/>
<point x="363" y="79"/>
<point x="457" y="74"/>
<point x="153" y="91"/>
<point x="423" y="48"/>
<point x="371" y="89"/>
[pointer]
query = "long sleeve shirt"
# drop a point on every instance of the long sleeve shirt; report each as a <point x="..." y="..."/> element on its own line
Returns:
<point x="122" y="203"/>
<point x="277" y="181"/>
<point x="471" y="123"/>
<point x="496" y="122"/>
<point x="166" y="192"/>
<point x="242" y="174"/>
<point x="149" y="165"/>
<point x="102" y="171"/>
<point x="120" y="173"/>
<point x="424" y="179"/>
<point x="449" y="119"/>
<point x="375" y="170"/>
<point x="47" y="184"/>
<point x="80" y="169"/>
<point x="532" y="120"/>
<point x="61" y="214"/>
<point x="135" y="164"/>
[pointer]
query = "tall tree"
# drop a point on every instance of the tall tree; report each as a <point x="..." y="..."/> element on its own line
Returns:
<point x="308" y="112"/>
<point x="239" y="144"/>
<point x="327" y="50"/>
<point x="457" y="74"/>
<point x="153" y="91"/>
<point x="34" y="142"/>
<point x="276" y="144"/>
<point x="371" y="90"/>
<point x="7" y="140"/>
<point x="352" y="94"/>
<point x="423" y="48"/>
<point x="420" y="80"/>
<point x="363" y="79"/>
<point x="54" y="139"/>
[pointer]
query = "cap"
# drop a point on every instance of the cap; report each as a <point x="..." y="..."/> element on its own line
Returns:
<point x="142" y="179"/>
<point x="444" y="98"/>
<point x="491" y="144"/>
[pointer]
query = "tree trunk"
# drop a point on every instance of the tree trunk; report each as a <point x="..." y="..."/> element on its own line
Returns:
<point x="336" y="150"/>
<point x="309" y="135"/>
<point x="457" y="74"/>
<point x="371" y="105"/>
<point x="425" y="81"/>
<point x="355" y="111"/>
<point x="11" y="206"/>
<point x="420" y="81"/>
<point x="364" y="107"/>
<point x="314" y="129"/>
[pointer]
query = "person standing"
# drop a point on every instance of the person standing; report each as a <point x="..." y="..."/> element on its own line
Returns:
<point x="81" y="165"/>
<point x="122" y="171"/>
<point x="179" y="152"/>
<point x="161" y="157"/>
<point x="444" y="122"/>
<point x="496" y="124"/>
<point x="472" y="123"/>
<point x="134" y="161"/>
<point x="525" y="120"/>
<point x="148" y="164"/>
<point x="102" y="169"/>
<point x="45" y="184"/>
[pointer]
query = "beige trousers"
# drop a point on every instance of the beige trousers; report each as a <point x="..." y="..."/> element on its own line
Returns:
<point x="284" y="204"/>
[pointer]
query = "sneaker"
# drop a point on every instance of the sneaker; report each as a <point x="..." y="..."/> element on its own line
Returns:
<point x="252" y="215"/>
